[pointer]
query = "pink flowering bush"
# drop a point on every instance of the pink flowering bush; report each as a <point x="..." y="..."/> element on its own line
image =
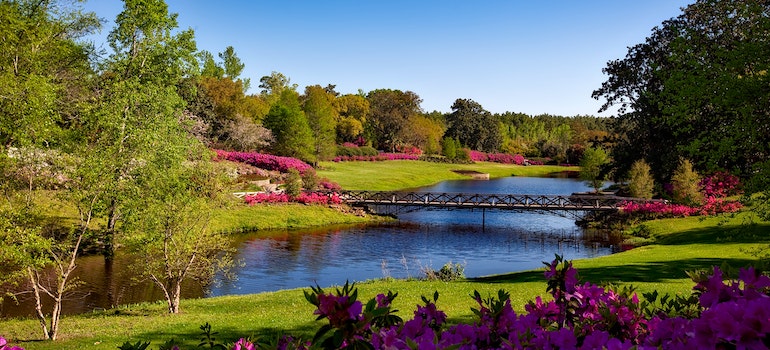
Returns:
<point x="264" y="161"/>
<point x="409" y="150"/>
<point x="503" y="158"/>
<point x="711" y="206"/>
<point x="378" y="158"/>
<point x="720" y="184"/>
<point x="304" y="198"/>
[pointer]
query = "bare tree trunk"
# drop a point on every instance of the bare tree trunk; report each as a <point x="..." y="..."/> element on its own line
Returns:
<point x="34" y="280"/>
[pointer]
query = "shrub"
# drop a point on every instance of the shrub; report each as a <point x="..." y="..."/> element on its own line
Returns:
<point x="293" y="183"/>
<point x="720" y="184"/>
<point x="640" y="181"/>
<point x="264" y="161"/>
<point x="448" y="272"/>
<point x="685" y="184"/>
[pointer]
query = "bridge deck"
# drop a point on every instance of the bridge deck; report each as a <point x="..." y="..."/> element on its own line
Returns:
<point x="497" y="201"/>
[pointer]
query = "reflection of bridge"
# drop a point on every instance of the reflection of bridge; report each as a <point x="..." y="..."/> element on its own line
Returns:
<point x="519" y="202"/>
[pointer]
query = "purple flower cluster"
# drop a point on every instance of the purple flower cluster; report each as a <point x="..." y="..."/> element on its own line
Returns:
<point x="580" y="316"/>
<point x="304" y="198"/>
<point x="503" y="158"/>
<point x="378" y="158"/>
<point x="4" y="345"/>
<point x="264" y="161"/>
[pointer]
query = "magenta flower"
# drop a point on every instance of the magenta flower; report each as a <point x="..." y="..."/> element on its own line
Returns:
<point x="243" y="344"/>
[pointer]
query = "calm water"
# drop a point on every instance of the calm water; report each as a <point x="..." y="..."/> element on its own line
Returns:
<point x="489" y="242"/>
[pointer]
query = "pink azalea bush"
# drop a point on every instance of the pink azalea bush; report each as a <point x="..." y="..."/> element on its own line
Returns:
<point x="304" y="198"/>
<point x="503" y="158"/>
<point x="378" y="158"/>
<point x="264" y="161"/>
<point x="720" y="184"/>
<point x="711" y="206"/>
<point x="735" y="314"/>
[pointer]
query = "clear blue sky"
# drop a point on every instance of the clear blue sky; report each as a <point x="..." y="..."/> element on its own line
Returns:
<point x="530" y="56"/>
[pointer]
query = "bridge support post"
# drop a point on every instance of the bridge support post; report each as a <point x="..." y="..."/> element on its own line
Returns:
<point x="483" y="218"/>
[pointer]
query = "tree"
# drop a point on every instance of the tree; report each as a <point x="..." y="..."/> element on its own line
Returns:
<point x="640" y="181"/>
<point x="273" y="86"/>
<point x="44" y="81"/>
<point x="353" y="112"/>
<point x="291" y="132"/>
<point x="390" y="113"/>
<point x="696" y="88"/>
<point x="473" y="126"/>
<point x="686" y="184"/>
<point x="321" y="115"/>
<point x="171" y="225"/>
<point x="424" y="133"/>
<point x="594" y="159"/>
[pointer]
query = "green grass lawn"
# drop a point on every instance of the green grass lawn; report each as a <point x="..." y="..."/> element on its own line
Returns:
<point x="405" y="174"/>
<point x="678" y="245"/>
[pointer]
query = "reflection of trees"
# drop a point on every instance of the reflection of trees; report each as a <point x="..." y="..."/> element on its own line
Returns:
<point x="100" y="287"/>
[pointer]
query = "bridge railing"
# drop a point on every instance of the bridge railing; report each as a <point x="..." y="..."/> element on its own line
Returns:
<point x="510" y="201"/>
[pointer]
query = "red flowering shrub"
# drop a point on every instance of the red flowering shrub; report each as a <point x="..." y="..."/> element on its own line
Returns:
<point x="720" y="184"/>
<point x="503" y="158"/>
<point x="378" y="158"/>
<point x="711" y="206"/>
<point x="304" y="198"/>
<point x="264" y="161"/>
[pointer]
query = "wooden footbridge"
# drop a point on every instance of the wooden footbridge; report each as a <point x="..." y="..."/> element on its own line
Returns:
<point x="521" y="202"/>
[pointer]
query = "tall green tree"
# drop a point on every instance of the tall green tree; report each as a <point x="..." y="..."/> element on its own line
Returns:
<point x="390" y="113"/>
<point x="696" y="88"/>
<point x="353" y="112"/>
<point x="291" y="133"/>
<point x="318" y="105"/>
<point x="686" y="184"/>
<point x="473" y="126"/>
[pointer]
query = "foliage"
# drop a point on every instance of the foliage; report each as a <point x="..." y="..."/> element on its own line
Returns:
<point x="380" y="157"/>
<point x="594" y="159"/>
<point x="685" y="182"/>
<point x="697" y="87"/>
<point x="264" y="161"/>
<point x="652" y="210"/>
<point x="391" y="112"/>
<point x="304" y="198"/>
<point x="448" y="272"/>
<point x="321" y="116"/>
<point x="503" y="158"/>
<point x="291" y="132"/>
<point x="353" y="111"/>
<point x="640" y="181"/>
<point x="720" y="184"/>
<point x="292" y="185"/>
<point x="473" y="126"/>
<point x="352" y="150"/>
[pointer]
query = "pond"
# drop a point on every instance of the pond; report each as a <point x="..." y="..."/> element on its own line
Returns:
<point x="485" y="243"/>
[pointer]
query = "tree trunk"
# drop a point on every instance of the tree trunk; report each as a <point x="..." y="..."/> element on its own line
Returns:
<point x="33" y="279"/>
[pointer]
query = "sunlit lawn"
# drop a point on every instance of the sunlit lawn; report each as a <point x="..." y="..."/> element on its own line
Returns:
<point x="404" y="174"/>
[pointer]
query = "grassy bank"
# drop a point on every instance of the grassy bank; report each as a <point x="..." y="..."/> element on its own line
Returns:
<point x="403" y="174"/>
<point x="677" y="245"/>
<point x="239" y="217"/>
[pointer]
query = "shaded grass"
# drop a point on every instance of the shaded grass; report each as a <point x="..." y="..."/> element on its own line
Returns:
<point x="403" y="174"/>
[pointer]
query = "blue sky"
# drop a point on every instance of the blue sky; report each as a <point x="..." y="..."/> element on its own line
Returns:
<point x="534" y="56"/>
